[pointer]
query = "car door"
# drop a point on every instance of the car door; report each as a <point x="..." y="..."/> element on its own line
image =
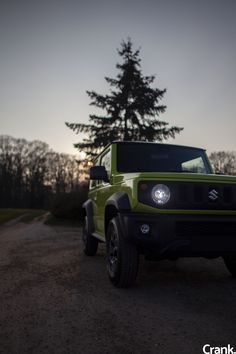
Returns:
<point x="93" y="190"/>
<point x="103" y="192"/>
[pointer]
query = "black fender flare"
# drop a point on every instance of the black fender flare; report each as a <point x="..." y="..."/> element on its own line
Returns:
<point x="120" y="201"/>
<point x="117" y="204"/>
<point x="88" y="211"/>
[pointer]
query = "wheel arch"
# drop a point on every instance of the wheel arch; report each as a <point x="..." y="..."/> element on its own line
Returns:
<point x="117" y="203"/>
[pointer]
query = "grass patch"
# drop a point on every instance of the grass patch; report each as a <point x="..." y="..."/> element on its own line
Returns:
<point x="28" y="214"/>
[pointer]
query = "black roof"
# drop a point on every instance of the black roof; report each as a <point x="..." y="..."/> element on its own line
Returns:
<point x="149" y="142"/>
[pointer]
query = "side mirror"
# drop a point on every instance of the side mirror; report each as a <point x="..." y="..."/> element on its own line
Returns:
<point x="98" y="173"/>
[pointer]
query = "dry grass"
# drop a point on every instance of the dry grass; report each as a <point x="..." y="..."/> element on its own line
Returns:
<point x="7" y="214"/>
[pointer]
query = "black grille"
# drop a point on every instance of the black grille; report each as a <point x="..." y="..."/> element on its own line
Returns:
<point x="205" y="228"/>
<point x="193" y="195"/>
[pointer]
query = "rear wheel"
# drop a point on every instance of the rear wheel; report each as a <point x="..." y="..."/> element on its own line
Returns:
<point x="122" y="257"/>
<point x="90" y="242"/>
<point x="230" y="263"/>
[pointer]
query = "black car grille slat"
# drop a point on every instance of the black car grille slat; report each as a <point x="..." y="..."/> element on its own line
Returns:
<point x="198" y="194"/>
<point x="193" y="195"/>
<point x="227" y="196"/>
<point x="183" y="193"/>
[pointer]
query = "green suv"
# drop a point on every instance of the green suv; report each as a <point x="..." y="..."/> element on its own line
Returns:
<point x="159" y="200"/>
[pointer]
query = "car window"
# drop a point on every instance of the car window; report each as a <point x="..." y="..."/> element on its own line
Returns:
<point x="106" y="161"/>
<point x="194" y="165"/>
<point x="141" y="157"/>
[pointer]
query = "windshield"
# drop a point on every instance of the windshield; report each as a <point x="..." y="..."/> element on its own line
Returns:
<point x="141" y="157"/>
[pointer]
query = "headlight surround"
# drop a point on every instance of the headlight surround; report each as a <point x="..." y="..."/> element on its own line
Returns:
<point x="160" y="194"/>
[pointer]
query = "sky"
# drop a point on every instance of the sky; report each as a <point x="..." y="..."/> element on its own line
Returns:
<point x="51" y="52"/>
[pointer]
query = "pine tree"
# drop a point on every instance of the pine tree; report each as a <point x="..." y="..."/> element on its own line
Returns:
<point x="132" y="108"/>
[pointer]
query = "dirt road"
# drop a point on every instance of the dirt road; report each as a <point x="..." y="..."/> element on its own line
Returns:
<point x="54" y="299"/>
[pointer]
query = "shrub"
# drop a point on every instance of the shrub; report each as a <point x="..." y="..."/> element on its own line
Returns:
<point x="69" y="205"/>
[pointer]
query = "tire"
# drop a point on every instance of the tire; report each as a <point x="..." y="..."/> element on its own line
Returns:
<point x="90" y="242"/>
<point x="230" y="263"/>
<point x="122" y="257"/>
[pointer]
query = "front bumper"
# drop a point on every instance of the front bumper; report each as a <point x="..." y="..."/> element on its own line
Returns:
<point x="181" y="235"/>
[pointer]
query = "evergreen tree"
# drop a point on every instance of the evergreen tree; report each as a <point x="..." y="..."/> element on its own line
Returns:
<point x="132" y="108"/>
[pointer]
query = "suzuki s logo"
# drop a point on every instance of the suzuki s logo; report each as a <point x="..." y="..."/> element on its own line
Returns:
<point x="213" y="195"/>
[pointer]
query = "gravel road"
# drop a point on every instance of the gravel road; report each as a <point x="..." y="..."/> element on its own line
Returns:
<point x="54" y="299"/>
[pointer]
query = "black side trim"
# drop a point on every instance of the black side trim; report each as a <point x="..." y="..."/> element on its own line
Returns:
<point x="120" y="201"/>
<point x="88" y="208"/>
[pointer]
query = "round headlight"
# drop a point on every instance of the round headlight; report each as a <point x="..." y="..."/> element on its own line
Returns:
<point x="160" y="194"/>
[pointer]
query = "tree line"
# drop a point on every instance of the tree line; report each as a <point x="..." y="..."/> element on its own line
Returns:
<point x="31" y="173"/>
<point x="224" y="162"/>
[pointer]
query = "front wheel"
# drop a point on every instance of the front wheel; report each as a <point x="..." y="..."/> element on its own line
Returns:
<point x="230" y="263"/>
<point x="122" y="257"/>
<point x="90" y="242"/>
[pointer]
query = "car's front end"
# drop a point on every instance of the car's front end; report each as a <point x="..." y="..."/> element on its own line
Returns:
<point x="183" y="211"/>
<point x="199" y="218"/>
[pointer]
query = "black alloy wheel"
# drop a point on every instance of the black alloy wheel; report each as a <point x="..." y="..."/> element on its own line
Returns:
<point x="122" y="257"/>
